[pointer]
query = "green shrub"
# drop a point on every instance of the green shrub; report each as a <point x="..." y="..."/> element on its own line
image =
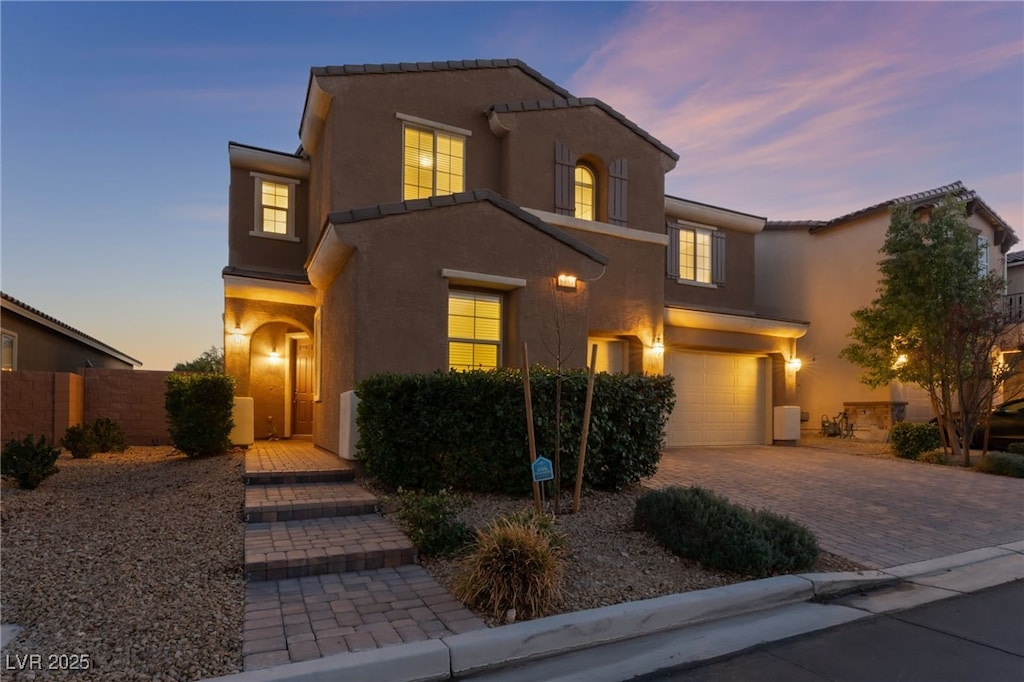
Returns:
<point x="199" y="408"/>
<point x="936" y="456"/>
<point x="467" y="430"/>
<point x="28" y="461"/>
<point x="432" y="523"/>
<point x="80" y="441"/>
<point x="109" y="435"/>
<point x="1001" y="464"/>
<point x="513" y="566"/>
<point x="699" y="524"/>
<point x="1016" y="448"/>
<point x="909" y="440"/>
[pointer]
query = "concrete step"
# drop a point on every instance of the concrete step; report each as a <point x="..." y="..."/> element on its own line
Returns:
<point x="326" y="475"/>
<point x="296" y="549"/>
<point x="297" y="501"/>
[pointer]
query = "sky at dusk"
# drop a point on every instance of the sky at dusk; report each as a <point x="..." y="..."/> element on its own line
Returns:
<point x="116" y="119"/>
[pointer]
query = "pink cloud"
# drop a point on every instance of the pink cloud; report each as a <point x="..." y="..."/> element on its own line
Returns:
<point x="809" y="111"/>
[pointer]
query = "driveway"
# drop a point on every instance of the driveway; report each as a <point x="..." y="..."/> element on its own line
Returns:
<point x="877" y="512"/>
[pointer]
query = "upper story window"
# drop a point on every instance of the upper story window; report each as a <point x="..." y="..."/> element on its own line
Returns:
<point x="474" y="330"/>
<point x="275" y="207"/>
<point x="696" y="255"/>
<point x="8" y="356"/>
<point x="584" y="193"/>
<point x="434" y="162"/>
<point x="982" y="255"/>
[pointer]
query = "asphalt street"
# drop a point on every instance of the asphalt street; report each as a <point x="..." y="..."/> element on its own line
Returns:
<point x="975" y="637"/>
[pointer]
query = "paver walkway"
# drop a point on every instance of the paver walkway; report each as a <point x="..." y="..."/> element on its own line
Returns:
<point x="877" y="512"/>
<point x="326" y="573"/>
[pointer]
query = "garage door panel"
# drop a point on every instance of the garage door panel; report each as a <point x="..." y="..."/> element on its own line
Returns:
<point x="720" y="399"/>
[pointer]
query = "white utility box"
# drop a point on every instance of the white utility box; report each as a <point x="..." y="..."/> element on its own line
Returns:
<point x="786" y="424"/>
<point x="243" y="432"/>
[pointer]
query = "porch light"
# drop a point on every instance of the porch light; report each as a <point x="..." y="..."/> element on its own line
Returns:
<point x="658" y="347"/>
<point x="901" y="360"/>
<point x="275" y="357"/>
<point x="567" y="281"/>
<point x="794" y="364"/>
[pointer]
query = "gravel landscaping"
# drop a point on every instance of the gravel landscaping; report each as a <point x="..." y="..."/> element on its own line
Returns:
<point x="608" y="562"/>
<point x="132" y="559"/>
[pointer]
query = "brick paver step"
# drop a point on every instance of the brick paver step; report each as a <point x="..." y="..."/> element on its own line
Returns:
<point x="302" y="618"/>
<point x="284" y="462"/>
<point x="295" y="549"/>
<point x="291" y="502"/>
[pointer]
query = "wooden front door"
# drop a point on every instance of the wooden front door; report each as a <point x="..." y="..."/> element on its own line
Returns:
<point x="302" y="392"/>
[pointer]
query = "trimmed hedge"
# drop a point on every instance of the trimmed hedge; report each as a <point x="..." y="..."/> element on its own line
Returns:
<point x="199" y="408"/>
<point x="467" y="430"/>
<point x="1001" y="464"/>
<point x="909" y="440"/>
<point x="697" y="523"/>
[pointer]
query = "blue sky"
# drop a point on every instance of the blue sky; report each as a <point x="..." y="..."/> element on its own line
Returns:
<point x="116" y="118"/>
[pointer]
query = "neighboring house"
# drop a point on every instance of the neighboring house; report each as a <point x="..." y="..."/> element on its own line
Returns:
<point x="32" y="340"/>
<point x="440" y="215"/>
<point x="1014" y="387"/>
<point x="823" y="271"/>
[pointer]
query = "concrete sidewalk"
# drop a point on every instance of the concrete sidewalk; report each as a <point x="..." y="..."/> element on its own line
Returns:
<point x="627" y="640"/>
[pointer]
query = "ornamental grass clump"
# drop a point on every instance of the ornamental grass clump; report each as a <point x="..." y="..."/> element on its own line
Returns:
<point x="513" y="567"/>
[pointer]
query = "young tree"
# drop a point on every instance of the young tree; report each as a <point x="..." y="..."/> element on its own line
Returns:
<point x="210" y="362"/>
<point x="937" y="321"/>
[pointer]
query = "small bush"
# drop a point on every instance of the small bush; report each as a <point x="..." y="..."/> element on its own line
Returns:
<point x="1015" y="448"/>
<point x="513" y="566"/>
<point x="699" y="524"/>
<point x="909" y="440"/>
<point x="1001" y="464"/>
<point x="28" y="461"/>
<point x="542" y="523"/>
<point x="80" y="441"/>
<point x="199" y="408"/>
<point x="936" y="456"/>
<point x="432" y="523"/>
<point x="109" y="435"/>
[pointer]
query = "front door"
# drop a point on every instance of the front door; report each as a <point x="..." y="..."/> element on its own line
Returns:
<point x="302" y="392"/>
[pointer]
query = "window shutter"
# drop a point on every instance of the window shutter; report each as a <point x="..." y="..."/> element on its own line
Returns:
<point x="718" y="257"/>
<point x="672" y="268"/>
<point x="565" y="185"/>
<point x="618" y="173"/>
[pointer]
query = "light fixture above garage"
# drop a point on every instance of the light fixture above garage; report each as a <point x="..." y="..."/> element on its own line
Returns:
<point x="658" y="347"/>
<point x="794" y="363"/>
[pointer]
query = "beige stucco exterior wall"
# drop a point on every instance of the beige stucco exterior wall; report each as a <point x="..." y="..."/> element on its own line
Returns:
<point x="823" y="278"/>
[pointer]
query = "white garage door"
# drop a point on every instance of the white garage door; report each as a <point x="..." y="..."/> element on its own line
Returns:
<point x="719" y="399"/>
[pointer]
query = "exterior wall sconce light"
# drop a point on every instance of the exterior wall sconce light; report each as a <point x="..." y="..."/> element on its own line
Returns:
<point x="794" y="363"/>
<point x="567" y="281"/>
<point x="275" y="357"/>
<point x="237" y="336"/>
<point x="658" y="347"/>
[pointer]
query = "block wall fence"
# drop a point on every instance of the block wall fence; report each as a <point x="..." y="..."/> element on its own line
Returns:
<point x="47" y="403"/>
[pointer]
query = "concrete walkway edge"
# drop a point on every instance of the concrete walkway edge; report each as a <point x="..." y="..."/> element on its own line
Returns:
<point x="496" y="648"/>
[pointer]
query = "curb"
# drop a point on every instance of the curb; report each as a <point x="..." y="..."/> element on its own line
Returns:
<point x="501" y="647"/>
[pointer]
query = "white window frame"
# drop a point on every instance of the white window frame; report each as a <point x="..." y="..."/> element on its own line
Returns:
<point x="697" y="229"/>
<point x="257" y="229"/>
<point x="499" y="344"/>
<point x="14" y="350"/>
<point x="433" y="126"/>
<point x="983" y="255"/>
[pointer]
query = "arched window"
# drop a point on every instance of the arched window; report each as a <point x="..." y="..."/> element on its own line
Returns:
<point x="584" y="193"/>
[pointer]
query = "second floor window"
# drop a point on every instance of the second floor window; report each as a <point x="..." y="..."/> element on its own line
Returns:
<point x="275" y="207"/>
<point x="434" y="163"/>
<point x="696" y="255"/>
<point x="584" y="193"/>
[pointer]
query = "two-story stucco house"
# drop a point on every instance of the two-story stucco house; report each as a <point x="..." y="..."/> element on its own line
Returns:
<point x="824" y="270"/>
<point x="437" y="216"/>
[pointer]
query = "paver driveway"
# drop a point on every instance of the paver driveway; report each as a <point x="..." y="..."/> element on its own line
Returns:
<point x="877" y="512"/>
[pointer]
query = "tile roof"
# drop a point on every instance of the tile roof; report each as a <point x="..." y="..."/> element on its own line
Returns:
<point x="22" y="307"/>
<point x="573" y="102"/>
<point x="457" y="65"/>
<point x="475" y="196"/>
<point x="1015" y="257"/>
<point x="956" y="189"/>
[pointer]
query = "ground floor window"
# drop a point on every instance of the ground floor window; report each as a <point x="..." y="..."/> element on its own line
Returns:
<point x="474" y="330"/>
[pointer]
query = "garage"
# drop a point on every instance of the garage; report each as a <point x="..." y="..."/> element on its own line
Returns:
<point x="720" y="399"/>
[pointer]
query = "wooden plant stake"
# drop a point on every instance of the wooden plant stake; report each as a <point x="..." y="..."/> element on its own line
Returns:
<point x="529" y="425"/>
<point x="586" y="430"/>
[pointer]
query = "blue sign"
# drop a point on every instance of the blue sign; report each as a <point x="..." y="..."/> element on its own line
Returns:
<point x="542" y="470"/>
